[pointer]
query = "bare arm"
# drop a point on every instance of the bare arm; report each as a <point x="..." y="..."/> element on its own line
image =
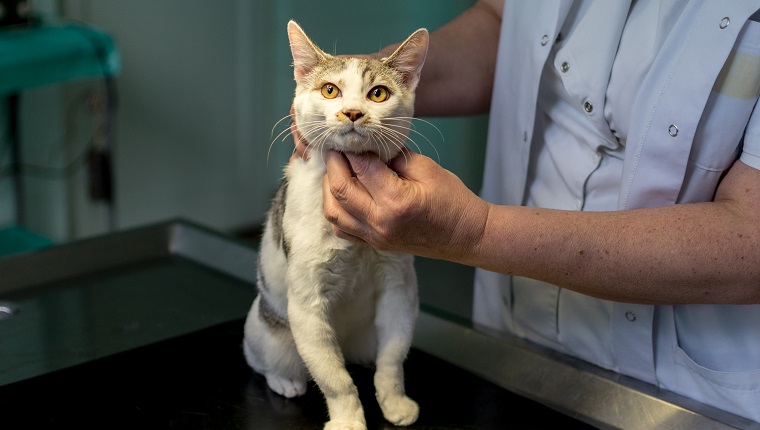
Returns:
<point x="686" y="253"/>
<point x="458" y="75"/>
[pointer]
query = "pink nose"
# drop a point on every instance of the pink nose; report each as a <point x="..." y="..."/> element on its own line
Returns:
<point x="353" y="114"/>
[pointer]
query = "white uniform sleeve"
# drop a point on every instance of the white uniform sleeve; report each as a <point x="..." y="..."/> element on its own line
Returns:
<point x="751" y="152"/>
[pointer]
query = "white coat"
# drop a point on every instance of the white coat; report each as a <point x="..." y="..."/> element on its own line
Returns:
<point x="693" y="117"/>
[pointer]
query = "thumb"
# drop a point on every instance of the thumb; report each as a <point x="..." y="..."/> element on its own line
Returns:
<point x="364" y="164"/>
<point x="371" y="171"/>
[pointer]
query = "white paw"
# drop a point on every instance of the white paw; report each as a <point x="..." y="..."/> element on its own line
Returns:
<point x="399" y="410"/>
<point x="285" y="386"/>
<point x="345" y="425"/>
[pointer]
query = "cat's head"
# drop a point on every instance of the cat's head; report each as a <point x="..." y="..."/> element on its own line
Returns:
<point x="356" y="104"/>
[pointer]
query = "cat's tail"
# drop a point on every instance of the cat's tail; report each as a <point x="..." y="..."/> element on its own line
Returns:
<point x="273" y="354"/>
<point x="250" y="356"/>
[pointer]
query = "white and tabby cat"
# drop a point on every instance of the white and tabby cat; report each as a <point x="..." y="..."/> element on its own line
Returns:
<point x="322" y="300"/>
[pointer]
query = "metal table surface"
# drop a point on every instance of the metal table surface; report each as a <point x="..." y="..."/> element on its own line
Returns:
<point x="200" y="380"/>
<point x="143" y="329"/>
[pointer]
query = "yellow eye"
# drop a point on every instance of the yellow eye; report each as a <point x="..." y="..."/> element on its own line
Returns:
<point x="379" y="94"/>
<point x="330" y="91"/>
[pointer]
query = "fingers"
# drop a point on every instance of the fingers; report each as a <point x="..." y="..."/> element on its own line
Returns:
<point x="373" y="174"/>
<point x="411" y="165"/>
<point x="343" y="197"/>
<point x="365" y="200"/>
<point x="400" y="162"/>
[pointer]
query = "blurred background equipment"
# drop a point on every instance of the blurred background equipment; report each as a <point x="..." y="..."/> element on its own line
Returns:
<point x="15" y="12"/>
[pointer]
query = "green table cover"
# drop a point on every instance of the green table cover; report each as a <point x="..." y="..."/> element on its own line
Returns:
<point x="46" y="53"/>
<point x="15" y="239"/>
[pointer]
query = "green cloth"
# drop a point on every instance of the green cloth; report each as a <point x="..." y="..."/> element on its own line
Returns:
<point x="46" y="53"/>
<point x="17" y="239"/>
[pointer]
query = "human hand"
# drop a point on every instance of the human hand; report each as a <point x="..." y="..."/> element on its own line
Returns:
<point x="411" y="205"/>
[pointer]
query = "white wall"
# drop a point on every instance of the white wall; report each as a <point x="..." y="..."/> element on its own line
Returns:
<point x="187" y="141"/>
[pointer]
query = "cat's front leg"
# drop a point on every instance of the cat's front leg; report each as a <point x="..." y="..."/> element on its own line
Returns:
<point x="317" y="344"/>
<point x="397" y="309"/>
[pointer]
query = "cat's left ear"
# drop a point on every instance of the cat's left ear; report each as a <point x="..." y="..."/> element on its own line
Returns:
<point x="410" y="56"/>
<point x="306" y="55"/>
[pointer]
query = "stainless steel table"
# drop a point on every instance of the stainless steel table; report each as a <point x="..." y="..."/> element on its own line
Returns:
<point x="142" y="329"/>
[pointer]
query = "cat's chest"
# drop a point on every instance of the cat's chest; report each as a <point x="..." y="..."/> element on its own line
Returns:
<point x="304" y="215"/>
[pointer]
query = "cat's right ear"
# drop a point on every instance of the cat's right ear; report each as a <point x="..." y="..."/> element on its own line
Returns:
<point x="410" y="56"/>
<point x="306" y="55"/>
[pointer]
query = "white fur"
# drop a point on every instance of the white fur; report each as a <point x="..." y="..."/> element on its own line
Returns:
<point x="311" y="107"/>
<point x="342" y="301"/>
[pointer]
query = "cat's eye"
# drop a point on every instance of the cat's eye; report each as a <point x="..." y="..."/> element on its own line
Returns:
<point x="330" y="91"/>
<point x="379" y="94"/>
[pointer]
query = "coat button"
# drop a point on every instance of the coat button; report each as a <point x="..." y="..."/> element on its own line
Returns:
<point x="673" y="130"/>
<point x="630" y="316"/>
<point x="544" y="39"/>
<point x="564" y="67"/>
<point x="724" y="22"/>
<point x="588" y="107"/>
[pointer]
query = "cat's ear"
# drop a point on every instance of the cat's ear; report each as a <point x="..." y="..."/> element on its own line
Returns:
<point x="306" y="55"/>
<point x="410" y="56"/>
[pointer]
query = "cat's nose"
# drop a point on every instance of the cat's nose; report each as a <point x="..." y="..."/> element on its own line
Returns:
<point x="353" y="114"/>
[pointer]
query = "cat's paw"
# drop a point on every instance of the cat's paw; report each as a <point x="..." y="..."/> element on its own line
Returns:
<point x="345" y="425"/>
<point x="285" y="386"/>
<point x="399" y="410"/>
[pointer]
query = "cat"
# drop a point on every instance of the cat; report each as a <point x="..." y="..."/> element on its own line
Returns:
<point x="324" y="301"/>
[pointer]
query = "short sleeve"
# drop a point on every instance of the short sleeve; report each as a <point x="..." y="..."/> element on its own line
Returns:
<point x="751" y="151"/>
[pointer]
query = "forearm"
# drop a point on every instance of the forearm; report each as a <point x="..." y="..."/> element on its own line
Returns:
<point x="690" y="253"/>
<point x="686" y="253"/>
<point x="457" y="78"/>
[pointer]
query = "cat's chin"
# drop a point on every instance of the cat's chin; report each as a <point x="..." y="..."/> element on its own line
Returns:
<point x="353" y="141"/>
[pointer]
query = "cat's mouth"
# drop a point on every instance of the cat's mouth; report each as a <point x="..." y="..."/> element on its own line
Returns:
<point x="353" y="139"/>
<point x="353" y="132"/>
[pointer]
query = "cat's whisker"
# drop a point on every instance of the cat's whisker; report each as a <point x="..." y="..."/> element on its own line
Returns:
<point x="318" y="127"/>
<point x="384" y="145"/>
<point x="289" y="131"/>
<point x="288" y="116"/>
<point x="271" y="144"/>
<point x="410" y="120"/>
<point x="397" y="139"/>
<point x="286" y="132"/>
<point x="410" y="127"/>
<point x="310" y="127"/>
<point x="307" y="127"/>
<point x="321" y="139"/>
<point x="401" y="138"/>
<point x="375" y="142"/>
